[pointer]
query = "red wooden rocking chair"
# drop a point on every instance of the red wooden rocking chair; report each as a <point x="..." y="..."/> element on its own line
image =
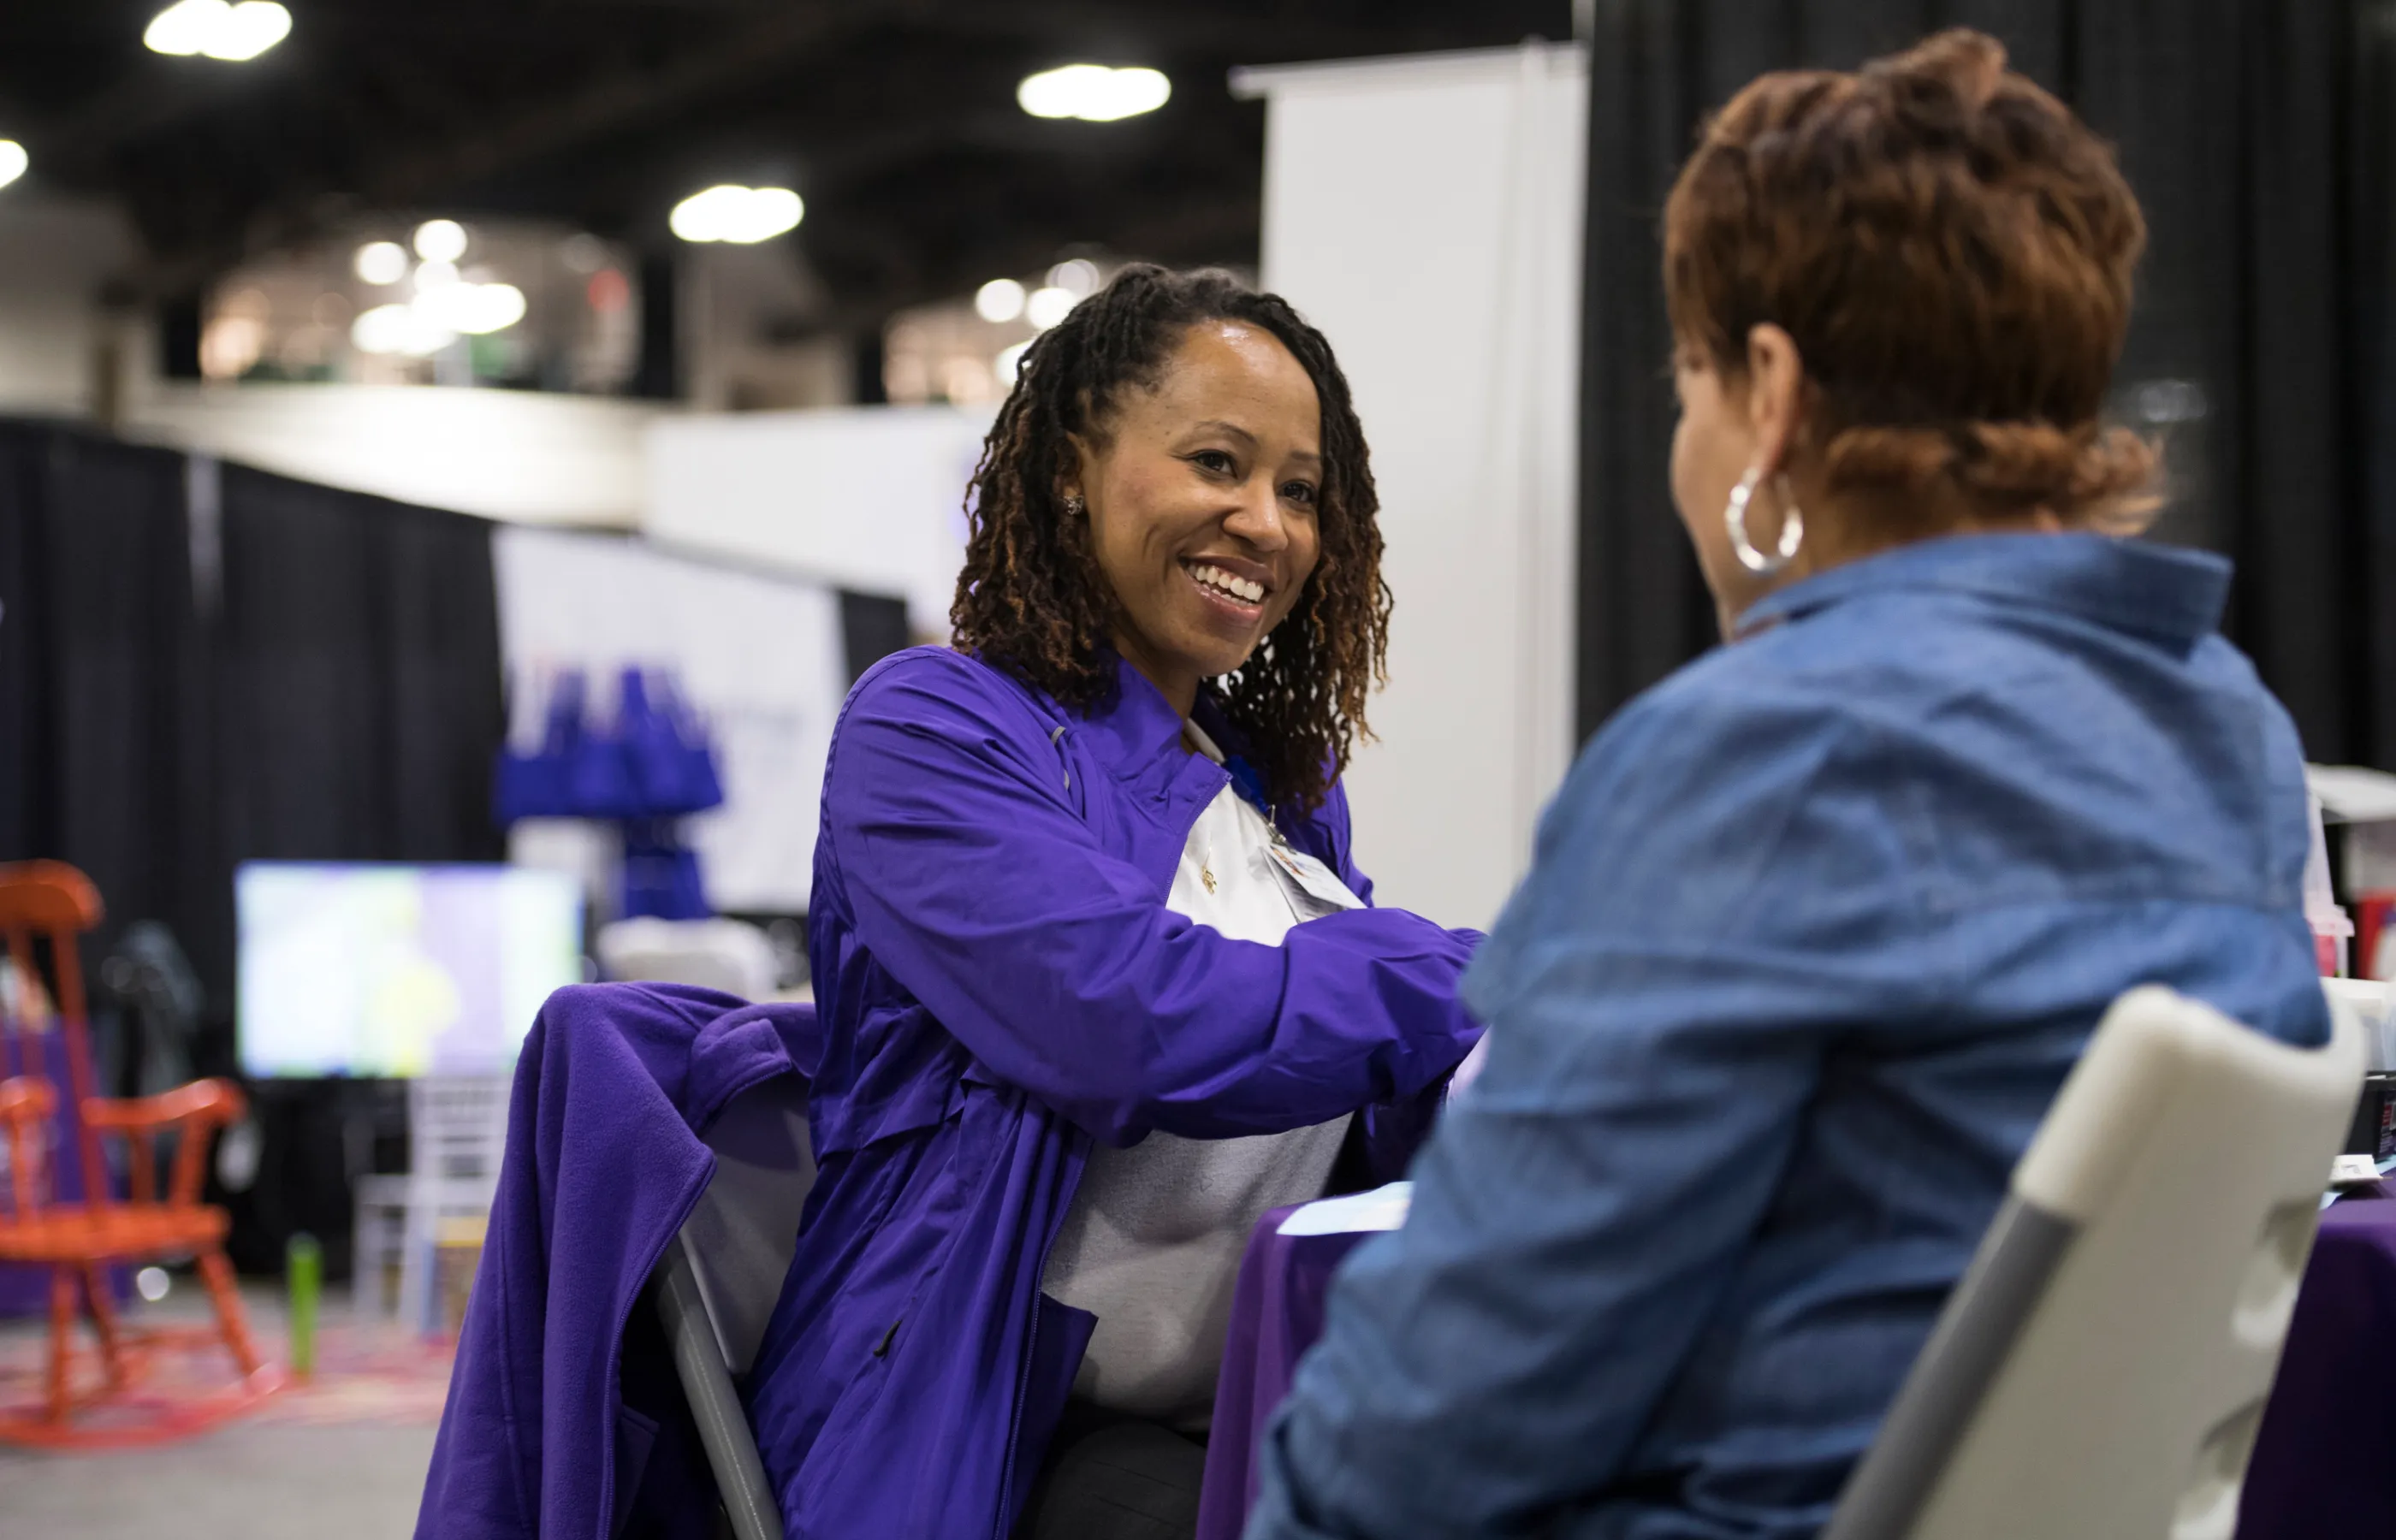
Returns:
<point x="54" y="904"/>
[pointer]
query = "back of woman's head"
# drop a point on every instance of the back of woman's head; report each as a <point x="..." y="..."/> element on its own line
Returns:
<point x="1952" y="251"/>
<point x="1031" y="598"/>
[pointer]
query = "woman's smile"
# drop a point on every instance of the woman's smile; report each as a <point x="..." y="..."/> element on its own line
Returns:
<point x="1235" y="591"/>
<point x="1201" y="496"/>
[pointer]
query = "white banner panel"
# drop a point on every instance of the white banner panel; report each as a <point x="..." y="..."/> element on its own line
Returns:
<point x="760" y="658"/>
<point x="1425" y="213"/>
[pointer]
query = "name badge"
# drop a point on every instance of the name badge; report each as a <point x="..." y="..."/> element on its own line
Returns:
<point x="1315" y="880"/>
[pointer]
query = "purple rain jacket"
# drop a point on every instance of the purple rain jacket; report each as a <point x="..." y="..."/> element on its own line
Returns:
<point x="560" y="1421"/>
<point x="1001" y="986"/>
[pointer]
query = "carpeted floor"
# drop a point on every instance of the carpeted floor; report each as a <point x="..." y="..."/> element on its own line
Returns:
<point x="339" y="1457"/>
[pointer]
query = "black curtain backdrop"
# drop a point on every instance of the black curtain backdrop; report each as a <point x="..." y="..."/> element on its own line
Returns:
<point x="872" y="626"/>
<point x="2257" y="135"/>
<point x="104" y="680"/>
<point x="202" y="665"/>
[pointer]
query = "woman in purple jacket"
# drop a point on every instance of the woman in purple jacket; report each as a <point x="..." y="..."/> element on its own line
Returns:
<point x="1099" y="979"/>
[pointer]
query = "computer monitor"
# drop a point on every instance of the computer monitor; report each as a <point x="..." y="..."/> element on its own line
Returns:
<point x="389" y="971"/>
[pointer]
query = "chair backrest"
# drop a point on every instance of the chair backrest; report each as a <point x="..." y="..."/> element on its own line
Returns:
<point x="456" y="1127"/>
<point x="717" y="1284"/>
<point x="741" y="1234"/>
<point x="2100" y="1371"/>
<point x="730" y="955"/>
<point x="53" y="903"/>
<point x="708" y="954"/>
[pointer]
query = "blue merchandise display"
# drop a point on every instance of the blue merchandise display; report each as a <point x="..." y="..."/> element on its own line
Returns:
<point x="652" y="765"/>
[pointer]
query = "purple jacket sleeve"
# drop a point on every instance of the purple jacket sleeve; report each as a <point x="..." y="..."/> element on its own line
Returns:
<point x="1058" y="966"/>
<point x="1393" y="1130"/>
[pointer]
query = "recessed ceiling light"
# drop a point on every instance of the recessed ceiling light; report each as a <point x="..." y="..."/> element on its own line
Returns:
<point x="392" y="329"/>
<point x="1078" y="277"/>
<point x="473" y="309"/>
<point x="379" y="262"/>
<point x="13" y="161"/>
<point x="999" y="300"/>
<point x="741" y="215"/>
<point x="1048" y="306"/>
<point x="441" y="240"/>
<point x="1093" y="92"/>
<point x="217" y="29"/>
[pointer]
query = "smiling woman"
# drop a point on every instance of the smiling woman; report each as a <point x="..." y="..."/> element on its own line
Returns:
<point x="1202" y="505"/>
<point x="1100" y="981"/>
<point x="1177" y="422"/>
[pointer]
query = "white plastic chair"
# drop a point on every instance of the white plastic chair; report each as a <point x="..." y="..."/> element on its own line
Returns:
<point x="730" y="955"/>
<point x="2101" y="1371"/>
<point x="456" y="1131"/>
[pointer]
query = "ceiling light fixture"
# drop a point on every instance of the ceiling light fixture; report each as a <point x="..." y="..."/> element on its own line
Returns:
<point x="397" y="329"/>
<point x="741" y="215"/>
<point x="379" y="262"/>
<point x="1093" y="92"/>
<point x="1048" y="306"/>
<point x="1001" y="299"/>
<point x="219" y="29"/>
<point x="437" y="317"/>
<point x="441" y="240"/>
<point x="473" y="309"/>
<point x="13" y="161"/>
<point x="1077" y="277"/>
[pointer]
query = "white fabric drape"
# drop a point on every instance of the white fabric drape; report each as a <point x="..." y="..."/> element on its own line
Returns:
<point x="760" y="658"/>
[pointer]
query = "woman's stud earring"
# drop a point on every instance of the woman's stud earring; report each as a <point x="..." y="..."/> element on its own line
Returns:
<point x="1074" y="506"/>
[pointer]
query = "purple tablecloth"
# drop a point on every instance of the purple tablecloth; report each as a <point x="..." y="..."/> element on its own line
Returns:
<point x="2324" y="1464"/>
<point x="1276" y="1315"/>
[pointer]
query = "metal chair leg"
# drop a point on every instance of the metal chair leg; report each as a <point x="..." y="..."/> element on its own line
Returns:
<point x="715" y="1404"/>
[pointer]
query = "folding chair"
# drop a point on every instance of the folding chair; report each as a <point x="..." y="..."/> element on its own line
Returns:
<point x="456" y="1133"/>
<point x="2100" y="1371"/>
<point x="718" y="1281"/>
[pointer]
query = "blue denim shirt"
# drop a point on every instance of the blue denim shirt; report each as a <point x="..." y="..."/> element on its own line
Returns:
<point x="1812" y="935"/>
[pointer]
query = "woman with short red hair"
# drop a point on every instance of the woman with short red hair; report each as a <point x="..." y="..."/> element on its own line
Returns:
<point x="1817" y="927"/>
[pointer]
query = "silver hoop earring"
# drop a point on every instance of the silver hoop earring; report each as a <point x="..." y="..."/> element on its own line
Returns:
<point x="1074" y="506"/>
<point x="1792" y="527"/>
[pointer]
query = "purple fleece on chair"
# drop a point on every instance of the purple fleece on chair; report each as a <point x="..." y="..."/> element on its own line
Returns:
<point x="602" y="1165"/>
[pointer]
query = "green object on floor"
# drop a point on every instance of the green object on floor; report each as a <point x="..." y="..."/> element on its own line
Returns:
<point x="304" y="1276"/>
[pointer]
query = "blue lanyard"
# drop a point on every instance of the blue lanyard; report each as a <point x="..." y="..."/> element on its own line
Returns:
<point x="1250" y="784"/>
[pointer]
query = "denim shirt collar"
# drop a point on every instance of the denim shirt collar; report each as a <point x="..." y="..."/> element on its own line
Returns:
<point x="2172" y="595"/>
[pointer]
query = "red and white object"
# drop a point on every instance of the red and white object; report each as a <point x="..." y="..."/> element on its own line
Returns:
<point x="2333" y="931"/>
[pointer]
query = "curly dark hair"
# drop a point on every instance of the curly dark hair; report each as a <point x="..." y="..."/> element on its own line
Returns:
<point x="1032" y="601"/>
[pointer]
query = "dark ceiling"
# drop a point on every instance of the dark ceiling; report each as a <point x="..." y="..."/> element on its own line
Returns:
<point x="896" y="120"/>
